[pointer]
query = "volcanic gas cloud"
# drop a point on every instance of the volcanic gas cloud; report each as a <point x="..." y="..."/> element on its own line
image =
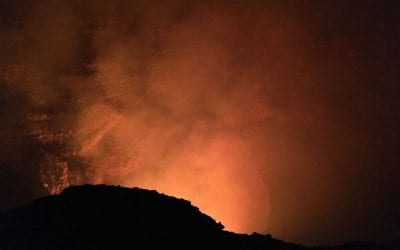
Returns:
<point x="233" y="105"/>
<point x="145" y="95"/>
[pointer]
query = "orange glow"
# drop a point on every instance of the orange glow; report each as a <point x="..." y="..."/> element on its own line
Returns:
<point x="279" y="117"/>
<point x="161" y="110"/>
<point x="216" y="176"/>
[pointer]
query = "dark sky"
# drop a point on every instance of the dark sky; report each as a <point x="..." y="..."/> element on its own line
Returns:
<point x="280" y="117"/>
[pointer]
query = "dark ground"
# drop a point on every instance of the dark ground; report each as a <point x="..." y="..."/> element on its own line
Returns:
<point x="110" y="217"/>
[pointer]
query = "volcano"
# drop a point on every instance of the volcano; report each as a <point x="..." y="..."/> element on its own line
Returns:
<point x="113" y="217"/>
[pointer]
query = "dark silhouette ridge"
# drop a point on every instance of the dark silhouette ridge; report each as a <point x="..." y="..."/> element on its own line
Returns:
<point x="111" y="217"/>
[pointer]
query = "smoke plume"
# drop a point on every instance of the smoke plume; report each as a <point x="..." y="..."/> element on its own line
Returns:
<point x="268" y="116"/>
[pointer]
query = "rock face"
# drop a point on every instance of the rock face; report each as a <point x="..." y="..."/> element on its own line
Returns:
<point x="93" y="217"/>
<point x="110" y="217"/>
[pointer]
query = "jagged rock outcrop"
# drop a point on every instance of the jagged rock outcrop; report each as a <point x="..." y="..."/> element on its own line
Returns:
<point x="110" y="217"/>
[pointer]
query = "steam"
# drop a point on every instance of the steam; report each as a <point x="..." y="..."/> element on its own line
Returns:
<point x="144" y="95"/>
<point x="183" y="120"/>
<point x="268" y="116"/>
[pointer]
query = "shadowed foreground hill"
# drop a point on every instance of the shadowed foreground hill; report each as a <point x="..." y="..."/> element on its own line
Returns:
<point x="110" y="217"/>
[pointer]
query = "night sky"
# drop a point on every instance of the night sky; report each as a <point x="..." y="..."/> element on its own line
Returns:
<point x="279" y="117"/>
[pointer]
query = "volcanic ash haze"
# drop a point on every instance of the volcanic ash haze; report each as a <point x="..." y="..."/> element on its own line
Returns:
<point x="234" y="105"/>
<point x="143" y="94"/>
